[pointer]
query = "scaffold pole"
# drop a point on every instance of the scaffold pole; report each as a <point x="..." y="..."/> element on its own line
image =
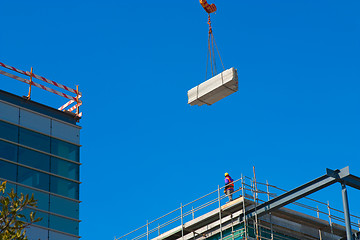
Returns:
<point x="330" y="222"/>
<point x="221" y="235"/>
<point x="318" y="216"/>
<point x="147" y="229"/>
<point x="244" y="208"/>
<point x="182" y="221"/>
<point x="270" y="214"/>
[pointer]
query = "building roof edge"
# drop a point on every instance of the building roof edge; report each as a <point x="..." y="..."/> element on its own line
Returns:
<point x="23" y="102"/>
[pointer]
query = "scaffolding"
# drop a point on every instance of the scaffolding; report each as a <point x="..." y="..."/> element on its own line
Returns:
<point x="229" y="221"/>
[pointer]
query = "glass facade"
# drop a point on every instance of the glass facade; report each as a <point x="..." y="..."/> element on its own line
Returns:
<point x="9" y="132"/>
<point x="65" y="150"/>
<point x="34" y="159"/>
<point x="34" y="140"/>
<point x="47" y="167"/>
<point x="8" y="151"/>
<point x="63" y="206"/>
<point x="33" y="178"/>
<point x="65" y="168"/>
<point x="8" y="170"/>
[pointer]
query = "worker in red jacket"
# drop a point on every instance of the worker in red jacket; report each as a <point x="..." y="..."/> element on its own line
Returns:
<point x="229" y="186"/>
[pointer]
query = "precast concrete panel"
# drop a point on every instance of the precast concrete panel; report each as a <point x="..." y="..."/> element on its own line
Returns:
<point x="65" y="131"/>
<point x="35" y="233"/>
<point x="214" y="89"/>
<point x="35" y="121"/>
<point x="59" y="236"/>
<point x="9" y="113"/>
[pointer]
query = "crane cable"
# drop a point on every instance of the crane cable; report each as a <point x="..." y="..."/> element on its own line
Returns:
<point x="211" y="52"/>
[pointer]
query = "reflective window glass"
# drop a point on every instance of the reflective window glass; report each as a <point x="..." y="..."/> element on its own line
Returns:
<point x="64" y="168"/>
<point x="9" y="131"/>
<point x="36" y="233"/>
<point x="64" y="207"/>
<point x="9" y="186"/>
<point x="33" y="178"/>
<point x="8" y="151"/>
<point x="42" y="198"/>
<point x="64" y="225"/>
<point x="8" y="171"/>
<point x="65" y="150"/>
<point x="45" y="216"/>
<point x="34" y="159"/>
<point x="64" y="187"/>
<point x="34" y="140"/>
<point x="59" y="236"/>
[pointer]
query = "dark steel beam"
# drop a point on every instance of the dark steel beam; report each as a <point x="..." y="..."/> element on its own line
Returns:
<point x="331" y="177"/>
<point x="342" y="176"/>
<point x="352" y="181"/>
<point x="293" y="195"/>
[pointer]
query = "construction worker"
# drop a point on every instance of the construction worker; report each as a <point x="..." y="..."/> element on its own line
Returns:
<point x="229" y="186"/>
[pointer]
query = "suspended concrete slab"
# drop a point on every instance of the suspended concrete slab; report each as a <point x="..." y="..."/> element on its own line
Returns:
<point x="214" y="89"/>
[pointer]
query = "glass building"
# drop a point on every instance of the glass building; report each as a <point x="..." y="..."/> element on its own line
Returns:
<point x="39" y="154"/>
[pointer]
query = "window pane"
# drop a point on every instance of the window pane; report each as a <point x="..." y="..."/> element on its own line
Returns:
<point x="9" y="186"/>
<point x="45" y="216"/>
<point x="64" y="225"/>
<point x="33" y="178"/>
<point x="64" y="207"/>
<point x="8" y="171"/>
<point x="8" y="151"/>
<point x="64" y="168"/>
<point x="34" y="159"/>
<point x="36" y="233"/>
<point x="34" y="140"/>
<point x="64" y="149"/>
<point x="9" y="131"/>
<point x="59" y="236"/>
<point x="42" y="198"/>
<point x="64" y="187"/>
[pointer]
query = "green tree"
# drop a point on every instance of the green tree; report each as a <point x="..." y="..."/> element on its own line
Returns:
<point x="13" y="223"/>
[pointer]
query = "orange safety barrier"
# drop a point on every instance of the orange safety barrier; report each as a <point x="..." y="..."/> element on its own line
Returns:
<point x="31" y="83"/>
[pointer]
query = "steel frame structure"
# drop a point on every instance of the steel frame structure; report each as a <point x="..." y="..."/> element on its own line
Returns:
<point x="249" y="212"/>
<point x="342" y="176"/>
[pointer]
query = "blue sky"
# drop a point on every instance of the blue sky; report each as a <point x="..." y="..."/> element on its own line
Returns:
<point x="145" y="150"/>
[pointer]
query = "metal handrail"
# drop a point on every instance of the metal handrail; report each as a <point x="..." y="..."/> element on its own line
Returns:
<point x="304" y="197"/>
<point x="245" y="187"/>
<point x="177" y="218"/>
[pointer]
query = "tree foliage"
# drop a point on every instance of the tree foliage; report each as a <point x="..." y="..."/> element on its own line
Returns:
<point x="13" y="222"/>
